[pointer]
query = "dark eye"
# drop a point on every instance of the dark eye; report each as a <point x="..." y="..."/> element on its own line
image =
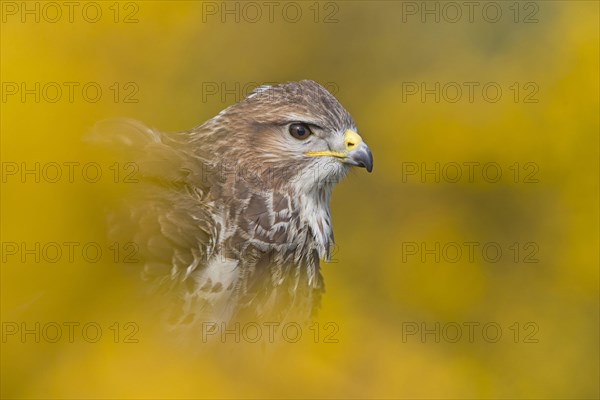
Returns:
<point x="300" y="131"/>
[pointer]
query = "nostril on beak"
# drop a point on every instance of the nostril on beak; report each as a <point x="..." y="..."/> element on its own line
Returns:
<point x="351" y="140"/>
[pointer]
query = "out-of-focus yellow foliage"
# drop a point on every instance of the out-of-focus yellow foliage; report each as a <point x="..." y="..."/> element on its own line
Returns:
<point x="182" y="64"/>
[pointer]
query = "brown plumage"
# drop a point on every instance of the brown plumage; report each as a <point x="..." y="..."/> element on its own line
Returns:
<point x="234" y="214"/>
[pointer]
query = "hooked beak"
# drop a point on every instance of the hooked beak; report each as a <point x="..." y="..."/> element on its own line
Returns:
<point x="361" y="157"/>
<point x="356" y="152"/>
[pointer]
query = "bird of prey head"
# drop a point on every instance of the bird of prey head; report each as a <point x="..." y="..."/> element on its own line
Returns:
<point x="297" y="125"/>
<point x="234" y="216"/>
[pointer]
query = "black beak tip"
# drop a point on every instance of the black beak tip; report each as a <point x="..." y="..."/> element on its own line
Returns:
<point x="362" y="157"/>
<point x="368" y="162"/>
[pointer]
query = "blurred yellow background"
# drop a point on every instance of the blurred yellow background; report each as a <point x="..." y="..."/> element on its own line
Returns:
<point x="405" y="71"/>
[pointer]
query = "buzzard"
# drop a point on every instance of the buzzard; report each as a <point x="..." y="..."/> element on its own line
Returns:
<point x="232" y="217"/>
